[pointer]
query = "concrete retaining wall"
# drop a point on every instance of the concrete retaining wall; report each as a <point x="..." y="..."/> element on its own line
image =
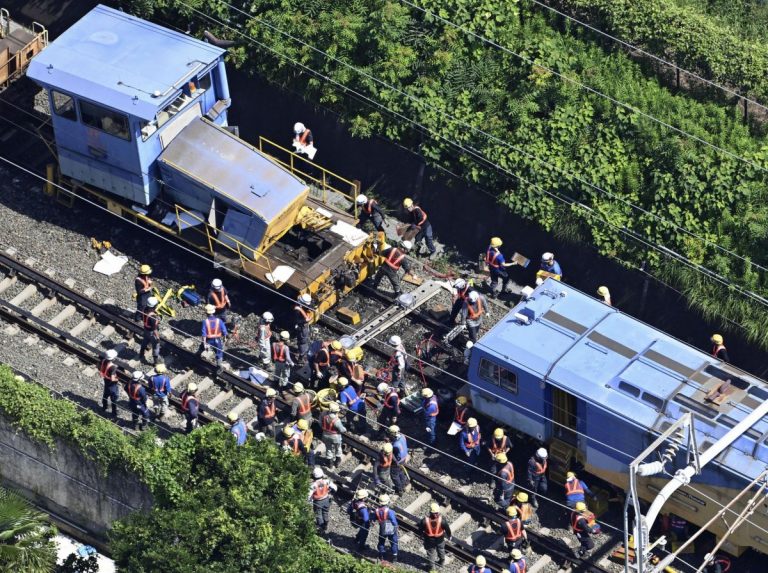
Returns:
<point x="65" y="483"/>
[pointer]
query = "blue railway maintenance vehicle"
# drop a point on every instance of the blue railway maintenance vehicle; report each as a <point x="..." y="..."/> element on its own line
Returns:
<point x="139" y="115"/>
<point x="598" y="386"/>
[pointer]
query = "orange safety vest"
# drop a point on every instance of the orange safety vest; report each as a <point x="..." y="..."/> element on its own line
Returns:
<point x="462" y="294"/>
<point x="540" y="468"/>
<point x="573" y="486"/>
<point x="321" y="490"/>
<point x="393" y="404"/>
<point x="323" y="361"/>
<point x="368" y="208"/>
<point x="212" y="328"/>
<point x="306" y="314"/>
<point x="133" y="390"/>
<point x="382" y="514"/>
<point x="394" y="259"/>
<point x="472" y="439"/>
<point x="576" y="518"/>
<point x="278" y="352"/>
<point x="185" y="401"/>
<point x="491" y="256"/>
<point x="270" y="409"/>
<point x="304" y="136"/>
<point x="293" y="442"/>
<point x="385" y="460"/>
<point x="220" y="300"/>
<point x="149" y="322"/>
<point x="434" y="528"/>
<point x="329" y="425"/>
<point x="507" y="473"/>
<point x="518" y="567"/>
<point x="423" y="216"/>
<point x="460" y="417"/>
<point x="146" y="283"/>
<point x="336" y="356"/>
<point x="305" y="404"/>
<point x="514" y="529"/>
<point x="105" y="367"/>
<point x="473" y="314"/>
<point x="497" y="449"/>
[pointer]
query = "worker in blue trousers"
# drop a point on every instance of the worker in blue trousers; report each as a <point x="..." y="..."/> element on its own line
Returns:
<point x="353" y="404"/>
<point x="537" y="475"/>
<point x="400" y="454"/>
<point x="360" y="517"/>
<point x="213" y="333"/>
<point x="431" y="409"/>
<point x="160" y="386"/>
<point x="237" y="428"/>
<point x="417" y="217"/>
<point x="388" y="528"/>
<point x="137" y="398"/>
<point x="469" y="441"/>
<point x="190" y="406"/>
<point x="151" y="337"/>
<point x="108" y="372"/>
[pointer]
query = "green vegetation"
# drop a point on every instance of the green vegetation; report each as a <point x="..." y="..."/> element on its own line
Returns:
<point x="217" y="507"/>
<point x="26" y="536"/>
<point x="548" y="132"/>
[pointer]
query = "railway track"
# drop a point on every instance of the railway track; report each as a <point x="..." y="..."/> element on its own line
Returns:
<point x="76" y="328"/>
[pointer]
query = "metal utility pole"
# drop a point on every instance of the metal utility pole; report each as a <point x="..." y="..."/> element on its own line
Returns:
<point x="696" y="461"/>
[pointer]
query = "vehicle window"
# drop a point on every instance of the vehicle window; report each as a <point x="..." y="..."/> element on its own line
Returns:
<point x="656" y="402"/>
<point x="63" y="105"/>
<point x="108" y="121"/>
<point x="205" y="81"/>
<point x="629" y="389"/>
<point x="495" y="374"/>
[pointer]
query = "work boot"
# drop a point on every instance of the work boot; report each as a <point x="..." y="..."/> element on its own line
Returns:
<point x="114" y="411"/>
<point x="394" y="558"/>
<point x="104" y="405"/>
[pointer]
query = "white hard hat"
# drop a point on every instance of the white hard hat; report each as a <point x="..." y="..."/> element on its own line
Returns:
<point x="305" y="298"/>
<point x="152" y="302"/>
<point x="382" y="388"/>
<point x="298" y="127"/>
<point x="111" y="354"/>
<point x="542" y="453"/>
<point x="285" y="335"/>
<point x="298" y="387"/>
<point x="459" y="284"/>
<point x="210" y="309"/>
<point x="480" y="561"/>
<point x="473" y="296"/>
<point x="317" y="473"/>
<point x="470" y="344"/>
<point x="138" y="375"/>
<point x="395" y="340"/>
<point x="407" y="245"/>
<point x="192" y="387"/>
<point x="268" y="317"/>
<point x="547" y="257"/>
<point x="216" y="283"/>
<point x="361" y="199"/>
<point x="384" y="499"/>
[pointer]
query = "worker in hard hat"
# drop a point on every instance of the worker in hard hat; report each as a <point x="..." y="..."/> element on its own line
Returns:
<point x="281" y="357"/>
<point x="398" y="362"/>
<point x="108" y="372"/>
<point x="350" y="367"/>
<point x="461" y="412"/>
<point x="137" y="400"/>
<point x="237" y="428"/>
<point x="291" y="441"/>
<point x="499" y="444"/>
<point x="160" y="386"/>
<point x="301" y="407"/>
<point x="303" y="315"/>
<point x="718" y="348"/>
<point x="469" y="441"/>
<point x="388" y="528"/>
<point x="353" y="405"/>
<point x="479" y="566"/>
<point x="400" y="455"/>
<point x="213" y="333"/>
<point x="264" y="339"/>
<point x="537" y="474"/>
<point x="497" y="265"/>
<point x="190" y="406"/>
<point x="549" y="268"/>
<point x="513" y="530"/>
<point x="389" y="408"/>
<point x="303" y="142"/>
<point x="151" y="332"/>
<point x="417" y="217"/>
<point x="431" y="409"/>
<point x="360" y="516"/>
<point x="581" y="519"/>
<point x="604" y="294"/>
<point x="575" y="490"/>
<point x="320" y="496"/>
<point x="473" y="313"/>
<point x="505" y="480"/>
<point x="394" y="259"/>
<point x="143" y="286"/>
<point x="524" y="508"/>
<point x="218" y="296"/>
<point x="267" y="412"/>
<point x="382" y="466"/>
<point x="333" y="428"/>
<point x="435" y="530"/>
<point x="517" y="562"/>
<point x="461" y="290"/>
<point x="369" y="210"/>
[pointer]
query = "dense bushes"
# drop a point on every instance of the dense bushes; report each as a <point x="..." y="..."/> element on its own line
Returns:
<point x="217" y="507"/>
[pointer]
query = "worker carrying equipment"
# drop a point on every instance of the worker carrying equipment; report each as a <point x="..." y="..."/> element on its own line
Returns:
<point x="303" y="141"/>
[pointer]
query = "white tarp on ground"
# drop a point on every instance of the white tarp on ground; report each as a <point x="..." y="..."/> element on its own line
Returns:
<point x="254" y="374"/>
<point x="110" y="263"/>
<point x="351" y="234"/>
<point x="280" y="274"/>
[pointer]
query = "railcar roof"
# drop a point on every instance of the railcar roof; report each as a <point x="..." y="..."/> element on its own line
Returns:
<point x="120" y="61"/>
<point x="594" y="351"/>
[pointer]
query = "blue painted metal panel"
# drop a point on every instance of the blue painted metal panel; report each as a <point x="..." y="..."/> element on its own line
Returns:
<point x="122" y="62"/>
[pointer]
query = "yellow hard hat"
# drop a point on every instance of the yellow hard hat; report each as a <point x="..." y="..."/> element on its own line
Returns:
<point x="480" y="561"/>
<point x="355" y="354"/>
<point x="498" y="433"/>
<point x="145" y="270"/>
<point x="342" y="381"/>
<point x="472" y="423"/>
<point x="334" y="407"/>
<point x="427" y="393"/>
<point x="387" y="448"/>
<point x="303" y="425"/>
<point x="511" y="511"/>
<point x="288" y="430"/>
<point x="522" y="497"/>
<point x="717" y="338"/>
<point x="407" y="202"/>
<point x="580" y="506"/>
<point x="603" y="291"/>
<point x="434" y="508"/>
<point x="570" y="475"/>
<point x="496" y="242"/>
<point x="161" y="369"/>
<point x="501" y="458"/>
<point x="461" y="400"/>
<point x="232" y="416"/>
<point x="336" y="345"/>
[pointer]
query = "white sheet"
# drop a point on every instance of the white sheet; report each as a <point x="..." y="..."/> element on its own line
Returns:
<point x="110" y="264"/>
<point x="280" y="274"/>
<point x="349" y="233"/>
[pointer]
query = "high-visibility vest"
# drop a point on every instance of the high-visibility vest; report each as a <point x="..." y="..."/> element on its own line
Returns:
<point x="357" y="506"/>
<point x="394" y="259"/>
<point x="305" y="314"/>
<point x="576" y="519"/>
<point x="293" y="442"/>
<point x="104" y="370"/>
<point x="507" y="473"/>
<point x="573" y="487"/>
<point x="491" y="257"/>
<point x="368" y="208"/>
<point x="382" y="514"/>
<point x="475" y="311"/>
<point x="320" y="490"/>
<point x="518" y="566"/>
<point x="392" y="404"/>
<point x="220" y="299"/>
<point x="323" y="357"/>
<point x="717" y="348"/>
<point x="513" y="529"/>
<point x="270" y="409"/>
<point x="329" y="424"/>
<point x="385" y="460"/>
<point x="434" y="528"/>
<point x="304" y="137"/>
<point x="540" y="467"/>
<point x="144" y="283"/>
<point x="278" y="352"/>
<point x="460" y="416"/>
<point x="498" y="446"/>
<point x="462" y="293"/>
<point x="472" y="439"/>
<point x="185" y="400"/>
<point x="305" y="404"/>
<point x="432" y="400"/>
<point x="150" y="320"/>
<point x="336" y="356"/>
<point x="133" y="390"/>
<point x="212" y="328"/>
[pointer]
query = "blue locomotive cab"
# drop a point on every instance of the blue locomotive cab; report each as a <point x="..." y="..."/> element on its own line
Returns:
<point x="120" y="90"/>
